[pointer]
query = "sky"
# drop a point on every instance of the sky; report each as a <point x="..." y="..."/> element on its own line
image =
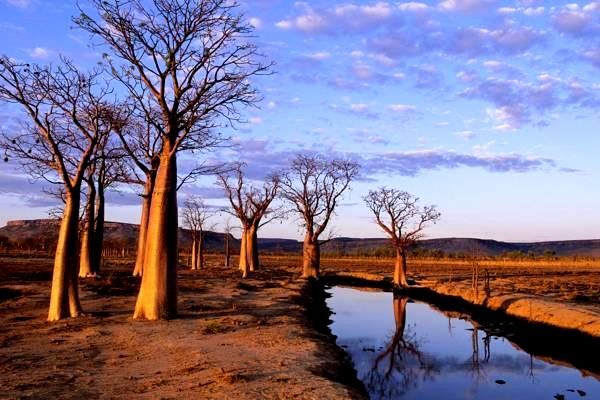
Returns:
<point x="487" y="109"/>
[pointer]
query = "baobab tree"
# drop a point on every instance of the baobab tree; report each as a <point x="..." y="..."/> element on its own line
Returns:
<point x="141" y="144"/>
<point x="68" y="115"/>
<point x="314" y="186"/>
<point x="110" y="171"/>
<point x="195" y="214"/>
<point x="397" y="214"/>
<point x="249" y="204"/>
<point x="104" y="173"/>
<point x="189" y="62"/>
<point x="87" y="232"/>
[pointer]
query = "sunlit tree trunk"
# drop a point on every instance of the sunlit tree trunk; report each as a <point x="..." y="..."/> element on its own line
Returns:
<point x="194" y="254"/>
<point x="200" y="263"/>
<point x="143" y="231"/>
<point x="311" y="257"/>
<point x="98" y="231"/>
<point x="250" y="249"/>
<point x="400" y="268"/>
<point x="64" y="296"/>
<point x="244" y="262"/>
<point x="86" y="253"/>
<point x="157" y="298"/>
<point x="253" y="248"/>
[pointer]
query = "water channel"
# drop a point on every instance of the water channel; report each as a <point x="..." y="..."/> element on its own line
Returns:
<point x="405" y="349"/>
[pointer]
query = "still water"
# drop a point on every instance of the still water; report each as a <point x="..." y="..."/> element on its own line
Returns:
<point x="406" y="349"/>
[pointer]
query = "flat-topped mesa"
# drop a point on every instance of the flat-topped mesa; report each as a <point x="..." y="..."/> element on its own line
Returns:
<point x="119" y="225"/>
<point x="116" y="234"/>
<point x="32" y="222"/>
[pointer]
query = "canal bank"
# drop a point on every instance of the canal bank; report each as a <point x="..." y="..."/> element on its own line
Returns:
<point x="531" y="308"/>
<point x="571" y="347"/>
<point x="408" y="348"/>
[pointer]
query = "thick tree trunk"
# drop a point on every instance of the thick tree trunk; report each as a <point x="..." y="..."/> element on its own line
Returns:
<point x="64" y="295"/>
<point x="143" y="232"/>
<point x="227" y="252"/>
<point x="311" y="258"/>
<point x="250" y="250"/>
<point x="253" y="249"/>
<point x="98" y="231"/>
<point x="400" y="269"/>
<point x="244" y="262"/>
<point x="157" y="298"/>
<point x="86" y="252"/>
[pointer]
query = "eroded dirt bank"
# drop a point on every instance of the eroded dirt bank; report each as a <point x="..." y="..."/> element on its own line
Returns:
<point x="568" y="347"/>
<point x="533" y="308"/>
<point x="561" y="345"/>
<point x="234" y="340"/>
<point x="585" y="319"/>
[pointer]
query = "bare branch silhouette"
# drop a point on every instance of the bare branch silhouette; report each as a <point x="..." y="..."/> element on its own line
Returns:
<point x="187" y="65"/>
<point x="313" y="186"/>
<point x="69" y="114"/>
<point x="397" y="214"/>
<point x="195" y="216"/>
<point x="251" y="205"/>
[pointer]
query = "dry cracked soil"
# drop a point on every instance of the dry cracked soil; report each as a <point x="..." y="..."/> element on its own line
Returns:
<point x="253" y="339"/>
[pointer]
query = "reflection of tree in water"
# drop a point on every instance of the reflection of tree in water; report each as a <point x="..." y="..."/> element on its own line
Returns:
<point x="402" y="364"/>
<point x="477" y="360"/>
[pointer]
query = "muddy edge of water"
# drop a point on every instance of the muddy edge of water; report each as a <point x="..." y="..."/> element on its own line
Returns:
<point x="338" y="367"/>
<point x="562" y="346"/>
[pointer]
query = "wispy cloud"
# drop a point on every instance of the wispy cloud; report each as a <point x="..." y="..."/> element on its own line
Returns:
<point x="318" y="56"/>
<point x="466" y="6"/>
<point x="19" y="3"/>
<point x="414" y="162"/>
<point x="255" y="22"/>
<point x="347" y="17"/>
<point x="577" y="20"/>
<point x="41" y="53"/>
<point x="264" y="158"/>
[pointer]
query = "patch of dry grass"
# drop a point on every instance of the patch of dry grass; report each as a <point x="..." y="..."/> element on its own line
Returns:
<point x="575" y="281"/>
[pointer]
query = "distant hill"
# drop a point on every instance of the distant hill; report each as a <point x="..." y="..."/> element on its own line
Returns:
<point x="476" y="247"/>
<point x="43" y="232"/>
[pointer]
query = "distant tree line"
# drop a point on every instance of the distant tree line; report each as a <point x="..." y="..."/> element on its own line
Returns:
<point x="436" y="253"/>
<point x="47" y="246"/>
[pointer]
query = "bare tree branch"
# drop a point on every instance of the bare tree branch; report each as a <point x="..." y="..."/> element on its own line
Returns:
<point x="185" y="63"/>
<point x="249" y="203"/>
<point x="397" y="214"/>
<point x="313" y="186"/>
<point x="69" y="115"/>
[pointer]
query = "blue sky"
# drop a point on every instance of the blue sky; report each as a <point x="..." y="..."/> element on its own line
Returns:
<point x="487" y="109"/>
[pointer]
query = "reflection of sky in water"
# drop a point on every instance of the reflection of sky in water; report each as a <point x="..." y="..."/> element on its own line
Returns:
<point x="364" y="321"/>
